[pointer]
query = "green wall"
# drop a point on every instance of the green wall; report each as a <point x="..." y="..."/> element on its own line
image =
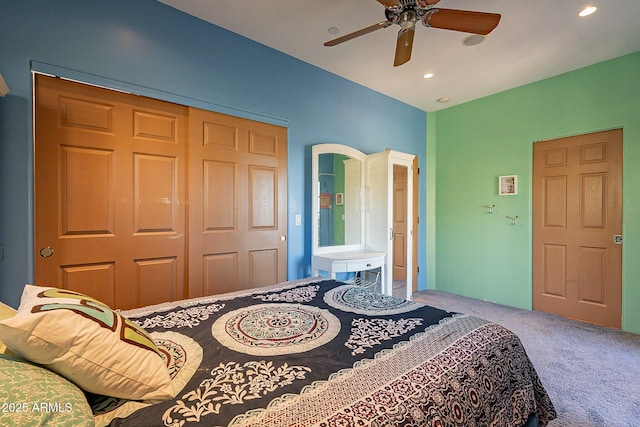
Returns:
<point x="482" y="255"/>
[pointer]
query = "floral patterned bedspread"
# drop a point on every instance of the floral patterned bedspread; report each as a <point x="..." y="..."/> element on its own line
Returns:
<point x="323" y="353"/>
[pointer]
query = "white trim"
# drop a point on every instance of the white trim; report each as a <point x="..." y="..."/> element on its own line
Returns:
<point x="316" y="150"/>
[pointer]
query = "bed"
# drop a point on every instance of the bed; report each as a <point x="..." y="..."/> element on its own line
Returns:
<point x="311" y="352"/>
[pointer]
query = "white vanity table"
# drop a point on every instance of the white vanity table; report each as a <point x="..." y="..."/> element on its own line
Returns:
<point x="347" y="262"/>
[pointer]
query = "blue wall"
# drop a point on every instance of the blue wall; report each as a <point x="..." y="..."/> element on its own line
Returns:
<point x="151" y="49"/>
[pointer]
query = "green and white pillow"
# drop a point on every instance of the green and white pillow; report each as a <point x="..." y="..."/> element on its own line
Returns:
<point x="31" y="395"/>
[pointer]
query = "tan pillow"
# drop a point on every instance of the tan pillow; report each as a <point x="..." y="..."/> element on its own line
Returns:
<point x="5" y="313"/>
<point x="88" y="343"/>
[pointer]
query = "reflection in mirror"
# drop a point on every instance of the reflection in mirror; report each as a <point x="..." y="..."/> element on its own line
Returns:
<point x="339" y="180"/>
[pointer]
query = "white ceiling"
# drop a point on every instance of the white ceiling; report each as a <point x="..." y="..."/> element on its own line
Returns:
<point x="535" y="39"/>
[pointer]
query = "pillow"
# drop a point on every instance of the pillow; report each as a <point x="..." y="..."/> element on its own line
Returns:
<point x="5" y="312"/>
<point x="33" y="396"/>
<point x="88" y="343"/>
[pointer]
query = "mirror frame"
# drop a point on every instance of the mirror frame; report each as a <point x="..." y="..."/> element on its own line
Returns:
<point x="353" y="153"/>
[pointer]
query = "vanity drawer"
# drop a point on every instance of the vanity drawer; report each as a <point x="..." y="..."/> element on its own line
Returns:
<point x="362" y="265"/>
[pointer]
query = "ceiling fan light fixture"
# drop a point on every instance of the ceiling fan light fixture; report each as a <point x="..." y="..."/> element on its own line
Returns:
<point x="588" y="10"/>
<point x="408" y="20"/>
<point x="473" y="40"/>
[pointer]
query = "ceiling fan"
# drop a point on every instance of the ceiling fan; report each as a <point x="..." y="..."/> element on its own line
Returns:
<point x="406" y="13"/>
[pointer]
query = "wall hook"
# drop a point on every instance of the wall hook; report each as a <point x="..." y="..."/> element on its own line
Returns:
<point x="513" y="219"/>
<point x="489" y="207"/>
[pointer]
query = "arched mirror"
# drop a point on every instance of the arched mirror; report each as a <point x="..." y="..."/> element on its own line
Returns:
<point x="338" y="194"/>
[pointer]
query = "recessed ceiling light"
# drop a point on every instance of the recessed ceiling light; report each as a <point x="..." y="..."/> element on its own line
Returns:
<point x="443" y="100"/>
<point x="333" y="30"/>
<point x="428" y="75"/>
<point x="588" y="10"/>
<point x="473" y="40"/>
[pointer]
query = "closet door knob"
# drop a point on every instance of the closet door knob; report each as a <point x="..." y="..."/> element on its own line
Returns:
<point x="46" y="252"/>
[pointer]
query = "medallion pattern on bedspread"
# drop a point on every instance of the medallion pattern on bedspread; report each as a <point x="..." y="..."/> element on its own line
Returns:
<point x="275" y="329"/>
<point x="361" y="301"/>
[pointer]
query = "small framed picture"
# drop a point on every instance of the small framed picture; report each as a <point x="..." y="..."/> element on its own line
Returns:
<point x="326" y="200"/>
<point x="508" y="185"/>
<point x="339" y="198"/>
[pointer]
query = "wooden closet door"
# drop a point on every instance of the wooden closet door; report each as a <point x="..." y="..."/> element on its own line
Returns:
<point x="109" y="193"/>
<point x="238" y="203"/>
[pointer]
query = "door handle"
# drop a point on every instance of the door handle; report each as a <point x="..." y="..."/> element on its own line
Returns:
<point x="46" y="252"/>
<point x="617" y="239"/>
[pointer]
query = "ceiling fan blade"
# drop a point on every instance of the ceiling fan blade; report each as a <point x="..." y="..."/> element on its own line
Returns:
<point x="427" y="3"/>
<point x="462" y="20"/>
<point x="362" y="32"/>
<point x="404" y="44"/>
<point x="390" y="3"/>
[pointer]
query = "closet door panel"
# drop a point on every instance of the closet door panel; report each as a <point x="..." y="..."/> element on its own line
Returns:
<point x="110" y="193"/>
<point x="238" y="203"/>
